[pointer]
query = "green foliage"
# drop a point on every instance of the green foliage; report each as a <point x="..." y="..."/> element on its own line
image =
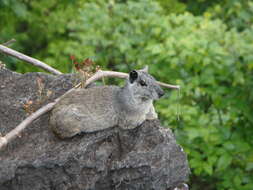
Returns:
<point x="172" y="6"/>
<point x="44" y="22"/>
<point x="235" y="13"/>
<point x="198" y="7"/>
<point x="209" y="58"/>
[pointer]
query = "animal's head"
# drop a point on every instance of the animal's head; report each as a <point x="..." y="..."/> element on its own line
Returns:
<point x="143" y="86"/>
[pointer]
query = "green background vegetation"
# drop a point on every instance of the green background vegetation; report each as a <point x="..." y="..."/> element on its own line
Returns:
<point x="205" y="46"/>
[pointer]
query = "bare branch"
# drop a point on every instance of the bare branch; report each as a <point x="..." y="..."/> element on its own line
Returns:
<point x="168" y="85"/>
<point x="9" y="42"/>
<point x="17" y="130"/>
<point x="28" y="59"/>
<point x="100" y="74"/>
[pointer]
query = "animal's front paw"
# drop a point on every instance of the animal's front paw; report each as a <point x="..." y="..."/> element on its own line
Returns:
<point x="151" y="116"/>
<point x="182" y="186"/>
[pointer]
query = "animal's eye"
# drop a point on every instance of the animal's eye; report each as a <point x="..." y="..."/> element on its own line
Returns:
<point x="142" y="83"/>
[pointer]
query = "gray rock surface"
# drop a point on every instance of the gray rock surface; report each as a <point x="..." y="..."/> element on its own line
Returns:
<point x="147" y="157"/>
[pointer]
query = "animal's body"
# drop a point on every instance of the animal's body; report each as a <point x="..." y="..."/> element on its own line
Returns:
<point x="101" y="107"/>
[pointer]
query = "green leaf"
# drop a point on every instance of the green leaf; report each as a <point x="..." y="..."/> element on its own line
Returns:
<point x="249" y="166"/>
<point x="224" y="161"/>
<point x="208" y="168"/>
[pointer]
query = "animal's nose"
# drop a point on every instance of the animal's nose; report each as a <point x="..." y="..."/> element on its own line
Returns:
<point x="160" y="94"/>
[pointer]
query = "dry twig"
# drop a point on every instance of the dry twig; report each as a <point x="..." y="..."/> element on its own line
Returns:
<point x="9" y="42"/>
<point x="16" y="131"/>
<point x="100" y="74"/>
<point x="28" y="59"/>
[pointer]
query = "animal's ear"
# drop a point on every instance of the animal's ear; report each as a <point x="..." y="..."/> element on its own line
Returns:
<point x="145" y="69"/>
<point x="133" y="75"/>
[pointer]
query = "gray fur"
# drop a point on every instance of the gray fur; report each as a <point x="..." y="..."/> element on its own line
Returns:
<point x="98" y="108"/>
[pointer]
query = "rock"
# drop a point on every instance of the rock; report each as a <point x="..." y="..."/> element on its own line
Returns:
<point x="147" y="157"/>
